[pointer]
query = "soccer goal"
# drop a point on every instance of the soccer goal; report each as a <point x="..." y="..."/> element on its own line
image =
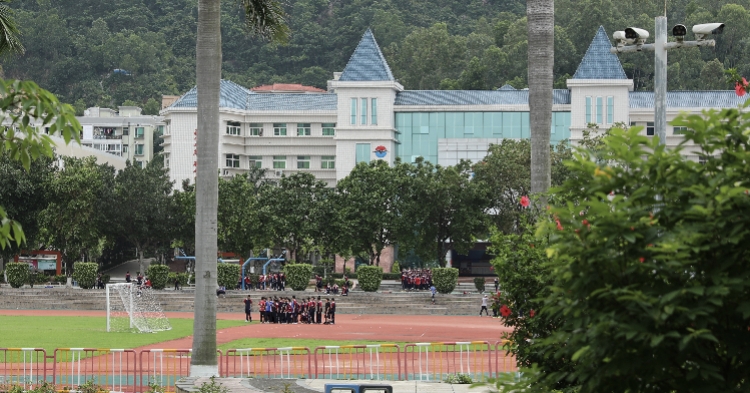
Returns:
<point x="131" y="308"/>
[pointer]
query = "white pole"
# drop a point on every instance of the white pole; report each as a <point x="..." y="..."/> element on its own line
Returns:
<point x="131" y="306"/>
<point x="660" y="79"/>
<point x="107" y="291"/>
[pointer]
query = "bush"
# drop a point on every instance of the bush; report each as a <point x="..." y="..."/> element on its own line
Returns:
<point x="396" y="267"/>
<point x="18" y="274"/>
<point x="458" y="378"/>
<point x="228" y="275"/>
<point x="181" y="277"/>
<point x="158" y="274"/>
<point x="85" y="274"/>
<point x="392" y="276"/>
<point x="479" y="283"/>
<point x="445" y="279"/>
<point x="370" y="278"/>
<point x="106" y="278"/>
<point x="61" y="279"/>
<point x="298" y="275"/>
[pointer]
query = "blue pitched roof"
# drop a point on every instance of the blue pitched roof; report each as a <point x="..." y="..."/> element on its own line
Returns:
<point x="231" y="95"/>
<point x="689" y="99"/>
<point x="598" y="62"/>
<point x="304" y="102"/>
<point x="367" y="62"/>
<point x="474" y="97"/>
<point x="506" y="87"/>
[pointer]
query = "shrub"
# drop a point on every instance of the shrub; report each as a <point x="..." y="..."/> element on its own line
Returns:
<point x="228" y="275"/>
<point x="85" y="274"/>
<point x="396" y="267"/>
<point x="159" y="275"/>
<point x="458" y="378"/>
<point x="392" y="276"/>
<point x="181" y="277"/>
<point x="298" y="275"/>
<point x="445" y="279"/>
<point x="106" y="278"/>
<point x="18" y="274"/>
<point x="479" y="283"/>
<point x="370" y="278"/>
<point x="61" y="279"/>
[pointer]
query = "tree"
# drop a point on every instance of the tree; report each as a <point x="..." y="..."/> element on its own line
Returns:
<point x="240" y="226"/>
<point x="541" y="27"/>
<point x="9" y="34"/>
<point x="144" y="196"/>
<point x="265" y="18"/>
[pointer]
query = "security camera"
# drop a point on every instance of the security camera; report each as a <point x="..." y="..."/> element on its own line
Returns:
<point x="619" y="37"/>
<point x="701" y="31"/>
<point x="636" y="35"/>
<point x="679" y="32"/>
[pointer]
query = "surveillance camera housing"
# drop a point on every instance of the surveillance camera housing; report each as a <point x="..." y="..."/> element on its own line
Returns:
<point x="636" y="35"/>
<point x="679" y="32"/>
<point x="619" y="37"/>
<point x="701" y="31"/>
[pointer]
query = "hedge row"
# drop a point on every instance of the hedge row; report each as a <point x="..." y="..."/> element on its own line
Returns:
<point x="445" y="279"/>
<point x="18" y="274"/>
<point x="228" y="275"/>
<point x="370" y="278"/>
<point x="85" y="274"/>
<point x="298" y="275"/>
<point x="159" y="275"/>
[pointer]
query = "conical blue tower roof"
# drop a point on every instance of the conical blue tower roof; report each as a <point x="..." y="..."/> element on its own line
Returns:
<point x="598" y="62"/>
<point x="367" y="62"/>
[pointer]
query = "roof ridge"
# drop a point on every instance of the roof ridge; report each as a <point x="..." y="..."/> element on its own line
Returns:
<point x="599" y="62"/>
<point x="367" y="62"/>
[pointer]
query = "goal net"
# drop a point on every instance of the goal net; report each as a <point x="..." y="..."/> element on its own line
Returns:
<point x="131" y="308"/>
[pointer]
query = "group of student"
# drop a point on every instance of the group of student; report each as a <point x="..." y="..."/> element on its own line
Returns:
<point x="416" y="279"/>
<point x="292" y="311"/>
<point x="274" y="282"/>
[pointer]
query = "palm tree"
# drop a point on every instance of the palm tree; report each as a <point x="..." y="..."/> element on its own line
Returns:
<point x="9" y="34"/>
<point x="541" y="27"/>
<point x="264" y="18"/>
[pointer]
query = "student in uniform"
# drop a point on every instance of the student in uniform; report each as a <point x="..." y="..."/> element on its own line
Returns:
<point x="248" y="309"/>
<point x="319" y="311"/>
<point x="262" y="309"/>
<point x="333" y="311"/>
<point x="327" y="312"/>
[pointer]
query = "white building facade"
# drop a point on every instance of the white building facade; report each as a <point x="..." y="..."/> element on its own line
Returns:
<point x="367" y="115"/>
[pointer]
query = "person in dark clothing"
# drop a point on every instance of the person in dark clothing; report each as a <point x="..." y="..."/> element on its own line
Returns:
<point x="127" y="277"/>
<point x="248" y="309"/>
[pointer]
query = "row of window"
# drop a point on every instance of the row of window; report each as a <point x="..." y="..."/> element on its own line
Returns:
<point x="362" y="105"/>
<point x="114" y="147"/>
<point x="279" y="129"/>
<point x="280" y="162"/>
<point x="650" y="130"/>
<point x="595" y="112"/>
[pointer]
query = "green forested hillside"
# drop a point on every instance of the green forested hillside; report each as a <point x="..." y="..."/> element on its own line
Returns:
<point x="73" y="47"/>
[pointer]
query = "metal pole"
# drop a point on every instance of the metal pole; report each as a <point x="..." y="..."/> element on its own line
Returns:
<point x="660" y="79"/>
<point x="107" y="291"/>
<point x="132" y="311"/>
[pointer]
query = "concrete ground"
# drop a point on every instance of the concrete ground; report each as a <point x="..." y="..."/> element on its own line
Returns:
<point x="239" y="385"/>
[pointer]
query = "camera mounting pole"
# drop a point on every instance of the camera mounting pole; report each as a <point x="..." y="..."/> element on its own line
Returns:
<point x="660" y="47"/>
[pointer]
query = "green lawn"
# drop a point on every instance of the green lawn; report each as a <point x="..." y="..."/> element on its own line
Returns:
<point x="293" y="342"/>
<point x="84" y="332"/>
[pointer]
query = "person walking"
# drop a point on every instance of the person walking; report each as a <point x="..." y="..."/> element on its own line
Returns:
<point x="433" y="290"/>
<point x="497" y="285"/>
<point x="484" y="306"/>
<point x="248" y="309"/>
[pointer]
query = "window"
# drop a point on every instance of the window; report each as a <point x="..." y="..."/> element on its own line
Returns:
<point x="329" y="129"/>
<point x="364" y="111"/>
<point x="363" y="152"/>
<point x="139" y="132"/>
<point x="255" y="161"/>
<point x="279" y="129"/>
<point x="125" y="130"/>
<point x="279" y="162"/>
<point x="234" y="128"/>
<point x="160" y="130"/>
<point x="139" y="164"/>
<point x="233" y="161"/>
<point x="374" y="111"/>
<point x="328" y="162"/>
<point x="599" y="111"/>
<point x="303" y="162"/>
<point x="650" y="128"/>
<point x="166" y="160"/>
<point x="679" y="130"/>
<point x="303" y="129"/>
<point x="610" y="110"/>
<point x="354" y="111"/>
<point x="256" y="129"/>
<point x="588" y="110"/>
<point x="124" y="148"/>
<point x="139" y="149"/>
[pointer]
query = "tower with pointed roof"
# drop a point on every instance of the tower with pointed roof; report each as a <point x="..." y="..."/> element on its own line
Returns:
<point x="366" y="92"/>
<point x="599" y="89"/>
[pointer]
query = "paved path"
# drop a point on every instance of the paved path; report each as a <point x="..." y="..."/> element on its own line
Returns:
<point x="237" y="385"/>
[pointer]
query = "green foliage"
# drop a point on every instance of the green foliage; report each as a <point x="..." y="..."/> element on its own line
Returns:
<point x="18" y="273"/>
<point x="106" y="278"/>
<point x="396" y="267"/>
<point x="298" y="275"/>
<point x="159" y="275"/>
<point x="90" y="386"/>
<point x="182" y="277"/>
<point x="228" y="274"/>
<point x="154" y="387"/>
<point x="661" y="269"/>
<point x="84" y="273"/>
<point x="369" y="278"/>
<point x="44" y="387"/>
<point x="445" y="279"/>
<point x="212" y="387"/>
<point x="392" y="276"/>
<point x="458" y="378"/>
<point x="479" y="284"/>
<point x="61" y="279"/>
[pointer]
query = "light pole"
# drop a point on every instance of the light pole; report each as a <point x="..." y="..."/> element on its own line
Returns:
<point x="633" y="39"/>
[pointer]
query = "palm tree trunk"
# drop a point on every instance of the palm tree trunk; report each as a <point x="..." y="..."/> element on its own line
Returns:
<point x="541" y="28"/>
<point x="208" y="75"/>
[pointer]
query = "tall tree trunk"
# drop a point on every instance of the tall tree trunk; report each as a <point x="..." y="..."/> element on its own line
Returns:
<point x="208" y="75"/>
<point x="541" y="29"/>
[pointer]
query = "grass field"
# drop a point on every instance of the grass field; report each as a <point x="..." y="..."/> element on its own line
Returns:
<point x="84" y="332"/>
